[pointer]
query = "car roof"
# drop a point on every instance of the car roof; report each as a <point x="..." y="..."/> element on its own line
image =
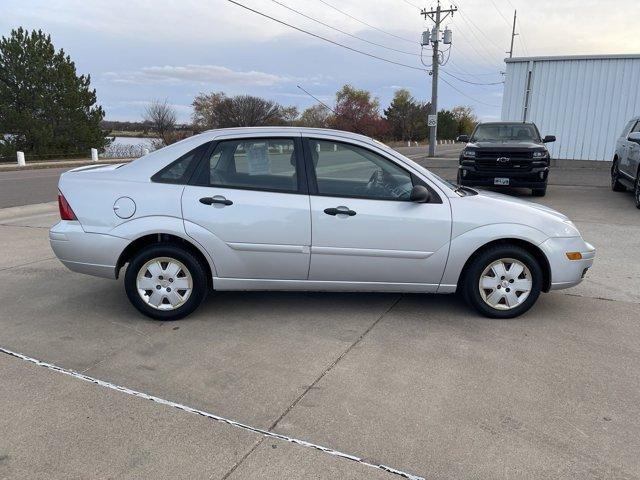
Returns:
<point x="506" y="123"/>
<point x="308" y="131"/>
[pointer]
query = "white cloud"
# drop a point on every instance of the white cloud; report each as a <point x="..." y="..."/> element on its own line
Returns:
<point x="199" y="74"/>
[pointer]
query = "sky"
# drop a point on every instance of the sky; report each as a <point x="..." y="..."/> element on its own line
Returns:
<point x="137" y="51"/>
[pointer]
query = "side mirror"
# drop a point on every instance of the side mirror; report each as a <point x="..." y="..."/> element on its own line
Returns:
<point x="634" y="137"/>
<point x="549" y="139"/>
<point x="463" y="138"/>
<point x="420" y="194"/>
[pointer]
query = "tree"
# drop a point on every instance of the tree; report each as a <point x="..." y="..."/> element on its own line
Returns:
<point x="162" y="118"/>
<point x="45" y="107"/>
<point x="356" y="111"/>
<point x="206" y="110"/>
<point x="466" y="119"/>
<point x="248" y="111"/>
<point x="316" y="116"/>
<point x="289" y="115"/>
<point x="447" y="125"/>
<point x="405" y="116"/>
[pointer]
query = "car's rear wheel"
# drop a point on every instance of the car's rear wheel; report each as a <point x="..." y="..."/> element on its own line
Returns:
<point x="503" y="281"/>
<point x="636" y="190"/>
<point x="616" y="186"/>
<point x="165" y="282"/>
<point x="539" y="192"/>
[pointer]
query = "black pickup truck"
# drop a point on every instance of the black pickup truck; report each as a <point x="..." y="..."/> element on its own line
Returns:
<point x="509" y="154"/>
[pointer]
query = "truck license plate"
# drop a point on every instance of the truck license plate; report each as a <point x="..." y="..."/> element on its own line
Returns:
<point x="501" y="181"/>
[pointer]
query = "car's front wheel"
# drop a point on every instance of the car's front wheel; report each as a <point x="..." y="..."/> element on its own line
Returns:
<point x="636" y="190"/>
<point x="503" y="281"/>
<point x="165" y="282"/>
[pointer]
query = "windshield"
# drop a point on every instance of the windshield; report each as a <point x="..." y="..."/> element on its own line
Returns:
<point x="517" y="132"/>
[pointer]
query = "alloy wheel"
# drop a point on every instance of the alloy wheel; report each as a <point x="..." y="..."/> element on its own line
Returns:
<point x="505" y="284"/>
<point x="164" y="283"/>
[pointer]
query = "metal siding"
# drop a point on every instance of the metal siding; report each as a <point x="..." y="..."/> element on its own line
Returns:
<point x="584" y="101"/>
<point x="513" y="98"/>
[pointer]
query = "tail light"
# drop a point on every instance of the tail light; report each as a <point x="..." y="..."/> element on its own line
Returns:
<point x="66" y="213"/>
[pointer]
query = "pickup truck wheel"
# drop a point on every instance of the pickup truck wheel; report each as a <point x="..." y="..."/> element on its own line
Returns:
<point x="165" y="282"/>
<point x="616" y="186"/>
<point x="503" y="282"/>
<point x="539" y="192"/>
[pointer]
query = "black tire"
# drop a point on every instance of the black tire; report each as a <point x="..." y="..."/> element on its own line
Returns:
<point x="636" y="190"/>
<point x="616" y="186"/>
<point x="471" y="280"/>
<point x="539" y="192"/>
<point x="197" y="271"/>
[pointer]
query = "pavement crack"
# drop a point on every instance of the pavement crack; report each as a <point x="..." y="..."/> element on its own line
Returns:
<point x="244" y="457"/>
<point x="212" y="416"/>
<point x="22" y="226"/>
<point x="27" y="264"/>
<point x="334" y="363"/>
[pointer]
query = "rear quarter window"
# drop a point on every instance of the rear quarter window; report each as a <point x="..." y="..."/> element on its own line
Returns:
<point x="180" y="170"/>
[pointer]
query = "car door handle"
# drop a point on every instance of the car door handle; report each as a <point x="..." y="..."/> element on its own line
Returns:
<point x="219" y="200"/>
<point x="339" y="211"/>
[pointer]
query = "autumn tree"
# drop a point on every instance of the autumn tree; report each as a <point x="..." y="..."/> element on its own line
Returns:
<point x="45" y="106"/>
<point x="357" y="111"/>
<point x="316" y="116"/>
<point x="466" y="119"/>
<point x="206" y="110"/>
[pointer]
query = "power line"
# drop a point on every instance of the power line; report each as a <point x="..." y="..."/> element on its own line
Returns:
<point x="412" y="4"/>
<point x="468" y="96"/>
<point x="342" y="31"/>
<point x="327" y="39"/>
<point x="500" y="13"/>
<point x="470" y="82"/>
<point x="367" y="24"/>
<point x="356" y="50"/>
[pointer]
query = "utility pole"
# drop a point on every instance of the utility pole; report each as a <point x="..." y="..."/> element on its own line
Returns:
<point x="436" y="16"/>
<point x="513" y="33"/>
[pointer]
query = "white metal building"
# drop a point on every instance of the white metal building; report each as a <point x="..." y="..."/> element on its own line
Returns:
<point x="584" y="101"/>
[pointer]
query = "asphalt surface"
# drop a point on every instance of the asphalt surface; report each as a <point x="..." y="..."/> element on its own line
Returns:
<point x="26" y="187"/>
<point x="416" y="382"/>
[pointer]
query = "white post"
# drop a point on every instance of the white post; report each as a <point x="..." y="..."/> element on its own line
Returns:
<point x="408" y="143"/>
<point x="21" y="162"/>
<point x="335" y="147"/>
<point x="94" y="154"/>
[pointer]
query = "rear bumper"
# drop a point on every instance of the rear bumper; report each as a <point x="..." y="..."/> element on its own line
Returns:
<point x="567" y="273"/>
<point x="89" y="253"/>
<point x="534" y="178"/>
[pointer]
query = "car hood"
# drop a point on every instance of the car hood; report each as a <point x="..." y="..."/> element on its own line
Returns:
<point x="526" y="204"/>
<point x="490" y="207"/>
<point x="504" y="145"/>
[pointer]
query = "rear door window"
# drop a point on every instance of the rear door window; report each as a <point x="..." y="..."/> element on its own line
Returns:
<point x="269" y="164"/>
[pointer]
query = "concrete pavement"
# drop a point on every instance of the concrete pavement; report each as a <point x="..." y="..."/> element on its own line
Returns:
<point x="417" y="382"/>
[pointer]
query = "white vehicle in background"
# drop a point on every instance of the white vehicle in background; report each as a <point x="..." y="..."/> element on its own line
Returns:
<point x="306" y="209"/>
<point x="625" y="171"/>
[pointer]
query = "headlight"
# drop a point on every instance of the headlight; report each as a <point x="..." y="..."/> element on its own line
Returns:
<point x="469" y="153"/>
<point x="540" y="154"/>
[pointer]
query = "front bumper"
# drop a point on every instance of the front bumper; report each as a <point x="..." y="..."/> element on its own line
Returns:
<point x="90" y="253"/>
<point x="536" y="177"/>
<point x="567" y="273"/>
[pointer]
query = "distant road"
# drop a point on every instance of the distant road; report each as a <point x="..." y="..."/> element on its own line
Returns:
<point x="26" y="187"/>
